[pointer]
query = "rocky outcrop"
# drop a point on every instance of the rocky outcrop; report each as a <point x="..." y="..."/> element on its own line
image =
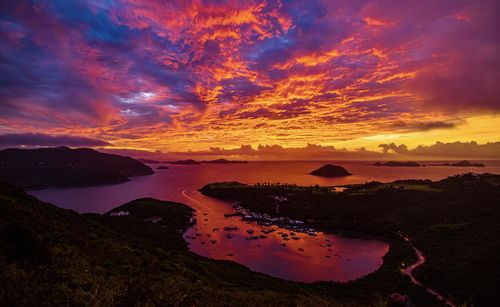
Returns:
<point x="330" y="170"/>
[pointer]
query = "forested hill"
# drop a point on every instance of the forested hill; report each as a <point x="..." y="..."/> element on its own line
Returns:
<point x="62" y="166"/>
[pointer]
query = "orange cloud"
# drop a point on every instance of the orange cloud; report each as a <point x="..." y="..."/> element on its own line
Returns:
<point x="191" y="75"/>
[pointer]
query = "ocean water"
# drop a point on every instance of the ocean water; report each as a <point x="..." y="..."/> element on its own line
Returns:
<point x="322" y="257"/>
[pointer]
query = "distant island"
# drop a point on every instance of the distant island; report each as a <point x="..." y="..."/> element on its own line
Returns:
<point x="185" y="162"/>
<point x="463" y="163"/>
<point x="63" y="166"/>
<point x="217" y="161"/>
<point x="224" y="161"/>
<point x="162" y="167"/>
<point x="330" y="170"/>
<point x="397" y="164"/>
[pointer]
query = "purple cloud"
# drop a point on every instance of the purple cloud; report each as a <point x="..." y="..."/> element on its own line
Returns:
<point x="39" y="139"/>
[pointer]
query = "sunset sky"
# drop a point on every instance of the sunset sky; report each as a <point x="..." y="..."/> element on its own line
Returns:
<point x="216" y="76"/>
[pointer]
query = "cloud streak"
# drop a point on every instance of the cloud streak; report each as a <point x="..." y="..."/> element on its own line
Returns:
<point x="39" y="139"/>
<point x="451" y="150"/>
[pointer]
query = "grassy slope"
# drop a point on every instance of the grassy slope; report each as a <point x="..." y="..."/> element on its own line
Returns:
<point x="455" y="222"/>
<point x="52" y="256"/>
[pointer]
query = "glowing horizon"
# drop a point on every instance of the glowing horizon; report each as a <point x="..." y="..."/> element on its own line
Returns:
<point x="196" y="75"/>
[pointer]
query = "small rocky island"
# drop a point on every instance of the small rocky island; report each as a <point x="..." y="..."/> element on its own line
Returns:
<point x="397" y="163"/>
<point x="329" y="171"/>
<point x="162" y="167"/>
<point x="463" y="163"/>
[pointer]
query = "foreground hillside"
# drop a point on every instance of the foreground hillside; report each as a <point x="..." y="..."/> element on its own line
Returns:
<point x="62" y="166"/>
<point x="135" y="255"/>
<point x="455" y="222"/>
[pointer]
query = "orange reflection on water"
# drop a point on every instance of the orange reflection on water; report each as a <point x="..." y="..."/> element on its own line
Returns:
<point x="308" y="259"/>
<point x="179" y="182"/>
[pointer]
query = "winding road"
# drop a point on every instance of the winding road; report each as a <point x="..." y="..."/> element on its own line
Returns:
<point x="411" y="268"/>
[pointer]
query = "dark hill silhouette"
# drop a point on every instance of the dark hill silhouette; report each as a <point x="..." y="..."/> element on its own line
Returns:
<point x="148" y="161"/>
<point x="47" y="252"/>
<point x="224" y="161"/>
<point x="186" y="162"/>
<point x="330" y="170"/>
<point x="62" y="166"/>
<point x="397" y="163"/>
<point x="463" y="163"/>
<point x="216" y="161"/>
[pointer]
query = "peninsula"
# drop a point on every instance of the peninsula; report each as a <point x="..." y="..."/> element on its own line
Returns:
<point x="63" y="166"/>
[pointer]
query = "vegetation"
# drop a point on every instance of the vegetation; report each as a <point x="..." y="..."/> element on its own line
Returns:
<point x="455" y="222"/>
<point x="135" y="255"/>
<point x="62" y="166"/>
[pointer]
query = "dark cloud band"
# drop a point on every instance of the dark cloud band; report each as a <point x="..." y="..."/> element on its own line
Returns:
<point x="38" y="139"/>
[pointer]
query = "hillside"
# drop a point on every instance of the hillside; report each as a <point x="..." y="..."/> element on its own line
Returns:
<point x="135" y="255"/>
<point x="62" y="166"/>
<point x="455" y="222"/>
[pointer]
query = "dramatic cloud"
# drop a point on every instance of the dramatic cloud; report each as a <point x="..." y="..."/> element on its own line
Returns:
<point x="425" y="126"/>
<point x="456" y="149"/>
<point x="180" y="75"/>
<point x="439" y="150"/>
<point x="277" y="152"/>
<point x="38" y="139"/>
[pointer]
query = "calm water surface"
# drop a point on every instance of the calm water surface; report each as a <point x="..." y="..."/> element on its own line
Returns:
<point x="324" y="257"/>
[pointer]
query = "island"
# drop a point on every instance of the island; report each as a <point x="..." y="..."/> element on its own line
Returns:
<point x="463" y="163"/>
<point x="329" y="171"/>
<point x="185" y="162"/>
<point x="63" y="166"/>
<point x="224" y="161"/>
<point x="397" y="164"/>
<point x="162" y="167"/>
<point x="216" y="161"/>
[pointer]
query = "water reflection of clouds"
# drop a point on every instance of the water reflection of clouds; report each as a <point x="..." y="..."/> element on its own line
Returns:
<point x="288" y="262"/>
